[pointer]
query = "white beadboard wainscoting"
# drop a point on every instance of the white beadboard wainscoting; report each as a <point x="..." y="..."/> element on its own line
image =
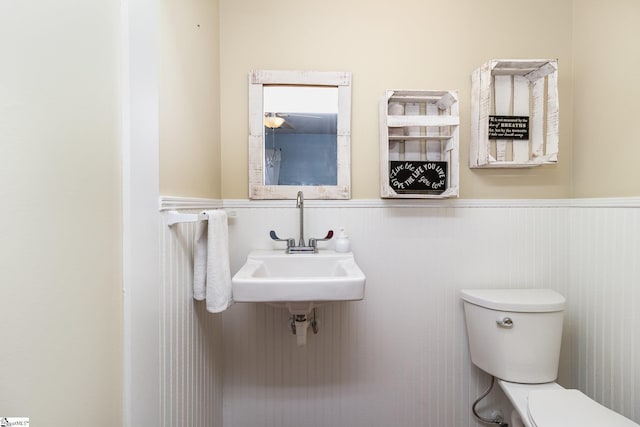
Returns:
<point x="191" y="368"/>
<point x="604" y="306"/>
<point x="400" y="356"/>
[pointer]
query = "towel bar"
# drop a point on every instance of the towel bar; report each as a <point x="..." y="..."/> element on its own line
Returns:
<point x="174" y="217"/>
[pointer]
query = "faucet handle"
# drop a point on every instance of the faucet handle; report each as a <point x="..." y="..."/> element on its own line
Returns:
<point x="313" y="241"/>
<point x="290" y="242"/>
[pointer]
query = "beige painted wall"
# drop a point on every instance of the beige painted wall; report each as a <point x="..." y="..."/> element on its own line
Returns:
<point x="606" y="94"/>
<point x="594" y="41"/>
<point x="60" y="227"/>
<point x="405" y="44"/>
<point x="189" y="98"/>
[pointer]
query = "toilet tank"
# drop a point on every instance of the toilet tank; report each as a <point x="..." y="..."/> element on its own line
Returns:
<point x="515" y="334"/>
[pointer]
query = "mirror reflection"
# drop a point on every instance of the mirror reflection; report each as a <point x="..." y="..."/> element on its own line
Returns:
<point x="300" y="135"/>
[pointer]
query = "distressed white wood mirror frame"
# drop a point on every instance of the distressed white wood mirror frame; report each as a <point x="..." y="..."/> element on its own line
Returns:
<point x="257" y="80"/>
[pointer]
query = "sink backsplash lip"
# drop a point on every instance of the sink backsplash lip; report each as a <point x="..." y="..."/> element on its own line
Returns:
<point x="260" y="253"/>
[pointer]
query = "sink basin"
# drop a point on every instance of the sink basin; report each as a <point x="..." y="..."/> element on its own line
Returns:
<point x="298" y="281"/>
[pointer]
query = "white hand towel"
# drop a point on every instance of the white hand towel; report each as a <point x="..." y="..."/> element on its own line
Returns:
<point x="218" y="272"/>
<point x="211" y="272"/>
<point x="200" y="260"/>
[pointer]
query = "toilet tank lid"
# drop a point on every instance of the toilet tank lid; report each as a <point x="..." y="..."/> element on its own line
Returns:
<point x="516" y="300"/>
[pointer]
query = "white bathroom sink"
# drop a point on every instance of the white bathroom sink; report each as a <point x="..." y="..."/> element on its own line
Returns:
<point x="272" y="276"/>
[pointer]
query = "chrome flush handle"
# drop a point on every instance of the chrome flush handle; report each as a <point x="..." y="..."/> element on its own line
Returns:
<point x="505" y="323"/>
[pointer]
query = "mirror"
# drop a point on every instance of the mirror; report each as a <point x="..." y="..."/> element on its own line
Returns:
<point x="300" y="134"/>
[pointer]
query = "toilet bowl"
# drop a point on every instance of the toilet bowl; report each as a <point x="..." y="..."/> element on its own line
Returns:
<point x="550" y="405"/>
<point x="515" y="336"/>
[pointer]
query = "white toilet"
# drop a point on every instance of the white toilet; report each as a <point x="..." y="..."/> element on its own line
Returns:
<point x="515" y="336"/>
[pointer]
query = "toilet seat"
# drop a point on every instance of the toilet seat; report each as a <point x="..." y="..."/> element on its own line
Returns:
<point x="561" y="408"/>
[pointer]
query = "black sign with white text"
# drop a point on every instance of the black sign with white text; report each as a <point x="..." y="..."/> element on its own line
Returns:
<point x="417" y="177"/>
<point x="508" y="127"/>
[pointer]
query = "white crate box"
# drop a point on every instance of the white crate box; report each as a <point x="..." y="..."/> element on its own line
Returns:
<point x="419" y="155"/>
<point x="514" y="114"/>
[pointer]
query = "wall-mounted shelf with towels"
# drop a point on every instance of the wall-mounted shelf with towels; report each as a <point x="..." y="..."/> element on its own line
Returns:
<point x="175" y="217"/>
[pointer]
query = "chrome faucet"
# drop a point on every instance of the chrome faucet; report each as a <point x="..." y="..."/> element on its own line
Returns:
<point x="300" y="205"/>
<point x="301" y="247"/>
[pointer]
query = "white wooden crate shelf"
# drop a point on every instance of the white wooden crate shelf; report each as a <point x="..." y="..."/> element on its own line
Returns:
<point x="419" y="155"/>
<point x="509" y="90"/>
